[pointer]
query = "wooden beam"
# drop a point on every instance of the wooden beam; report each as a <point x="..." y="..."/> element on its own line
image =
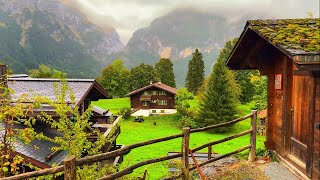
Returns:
<point x="252" y="153"/>
<point x="253" y="51"/>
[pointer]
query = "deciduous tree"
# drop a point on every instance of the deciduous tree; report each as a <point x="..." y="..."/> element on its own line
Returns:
<point x="114" y="78"/>
<point x="141" y="76"/>
<point x="46" y="72"/>
<point x="164" y="72"/>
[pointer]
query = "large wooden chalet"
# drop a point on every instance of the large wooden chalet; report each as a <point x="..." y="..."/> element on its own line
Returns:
<point x="287" y="51"/>
<point x="84" y="91"/>
<point x="156" y="98"/>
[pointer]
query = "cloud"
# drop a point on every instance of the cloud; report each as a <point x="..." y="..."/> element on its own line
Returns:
<point x="128" y="16"/>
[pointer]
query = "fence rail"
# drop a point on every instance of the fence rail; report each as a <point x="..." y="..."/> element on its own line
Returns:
<point x="70" y="163"/>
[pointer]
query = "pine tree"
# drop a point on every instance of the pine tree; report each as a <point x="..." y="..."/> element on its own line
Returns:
<point x="164" y="72"/>
<point x="195" y="74"/>
<point x="221" y="95"/>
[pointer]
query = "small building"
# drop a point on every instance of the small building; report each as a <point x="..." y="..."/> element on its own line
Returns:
<point x="83" y="90"/>
<point x="287" y="51"/>
<point x="156" y="98"/>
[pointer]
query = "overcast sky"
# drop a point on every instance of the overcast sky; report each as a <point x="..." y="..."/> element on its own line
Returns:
<point x="129" y="15"/>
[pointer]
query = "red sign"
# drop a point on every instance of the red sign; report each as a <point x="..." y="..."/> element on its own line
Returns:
<point x="278" y="81"/>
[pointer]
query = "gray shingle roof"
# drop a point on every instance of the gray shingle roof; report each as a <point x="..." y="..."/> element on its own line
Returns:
<point x="45" y="87"/>
<point x="39" y="149"/>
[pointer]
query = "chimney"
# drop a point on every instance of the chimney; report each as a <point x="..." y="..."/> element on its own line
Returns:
<point x="151" y="82"/>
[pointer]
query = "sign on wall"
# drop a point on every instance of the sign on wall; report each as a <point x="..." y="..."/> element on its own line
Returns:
<point x="278" y="81"/>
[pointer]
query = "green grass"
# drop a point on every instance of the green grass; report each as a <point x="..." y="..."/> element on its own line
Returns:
<point x="114" y="105"/>
<point x="133" y="132"/>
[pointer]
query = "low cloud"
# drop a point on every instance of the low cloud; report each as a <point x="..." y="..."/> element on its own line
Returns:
<point x="128" y="16"/>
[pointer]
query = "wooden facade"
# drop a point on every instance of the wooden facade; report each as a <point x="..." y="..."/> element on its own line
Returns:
<point x="293" y="125"/>
<point x="154" y="96"/>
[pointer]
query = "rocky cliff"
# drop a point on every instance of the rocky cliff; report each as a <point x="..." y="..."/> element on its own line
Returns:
<point x="53" y="33"/>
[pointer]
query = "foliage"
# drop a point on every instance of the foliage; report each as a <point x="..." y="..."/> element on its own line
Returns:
<point x="195" y="76"/>
<point x="10" y="117"/>
<point x="114" y="78"/>
<point x="46" y="72"/>
<point x="221" y="95"/>
<point x="243" y="78"/>
<point x="125" y="112"/>
<point x="141" y="76"/>
<point x="164" y="72"/>
<point x="187" y="114"/>
<point x="260" y="96"/>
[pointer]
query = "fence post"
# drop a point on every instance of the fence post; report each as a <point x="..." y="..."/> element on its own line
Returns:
<point x="252" y="153"/>
<point x="185" y="153"/>
<point x="209" y="152"/>
<point x="70" y="168"/>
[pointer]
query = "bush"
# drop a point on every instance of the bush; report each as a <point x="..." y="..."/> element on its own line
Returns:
<point x="125" y="112"/>
<point x="186" y="121"/>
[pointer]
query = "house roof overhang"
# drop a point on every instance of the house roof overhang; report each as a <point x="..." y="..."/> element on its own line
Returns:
<point x="251" y="42"/>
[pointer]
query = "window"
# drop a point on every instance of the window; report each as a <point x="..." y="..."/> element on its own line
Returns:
<point x="144" y="103"/>
<point x="154" y="93"/>
<point x="154" y="111"/>
<point x="162" y="93"/>
<point x="163" y="102"/>
<point x="153" y="101"/>
<point x="145" y="93"/>
<point x="162" y="111"/>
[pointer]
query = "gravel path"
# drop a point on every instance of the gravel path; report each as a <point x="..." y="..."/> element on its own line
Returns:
<point x="276" y="171"/>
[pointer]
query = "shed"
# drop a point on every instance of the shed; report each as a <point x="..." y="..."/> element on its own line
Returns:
<point x="287" y="51"/>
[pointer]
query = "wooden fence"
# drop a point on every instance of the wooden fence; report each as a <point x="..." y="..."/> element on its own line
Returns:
<point x="70" y="164"/>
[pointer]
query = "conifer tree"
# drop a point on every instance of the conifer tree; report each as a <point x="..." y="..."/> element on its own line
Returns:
<point x="221" y="95"/>
<point x="195" y="74"/>
<point x="164" y="72"/>
<point x="141" y="76"/>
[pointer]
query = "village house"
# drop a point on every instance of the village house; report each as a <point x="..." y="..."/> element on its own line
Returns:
<point x="84" y="91"/>
<point x="287" y="51"/>
<point x="156" y="98"/>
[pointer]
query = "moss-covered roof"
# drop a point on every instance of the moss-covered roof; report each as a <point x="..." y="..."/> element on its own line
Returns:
<point x="298" y="36"/>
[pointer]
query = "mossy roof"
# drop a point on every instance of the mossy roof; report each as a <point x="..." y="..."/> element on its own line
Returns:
<point x="298" y="36"/>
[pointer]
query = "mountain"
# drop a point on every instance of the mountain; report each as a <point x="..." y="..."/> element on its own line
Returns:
<point x="176" y="35"/>
<point x="53" y="33"/>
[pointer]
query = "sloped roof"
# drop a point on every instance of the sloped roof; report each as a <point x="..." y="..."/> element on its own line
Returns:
<point x="297" y="36"/>
<point x="45" y="87"/>
<point x="157" y="85"/>
<point x="38" y="150"/>
<point x="299" y="39"/>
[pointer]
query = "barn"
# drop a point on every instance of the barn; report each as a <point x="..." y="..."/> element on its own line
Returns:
<point x="287" y="51"/>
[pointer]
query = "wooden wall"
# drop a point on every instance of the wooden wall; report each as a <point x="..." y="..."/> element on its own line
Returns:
<point x="316" y="149"/>
<point x="137" y="104"/>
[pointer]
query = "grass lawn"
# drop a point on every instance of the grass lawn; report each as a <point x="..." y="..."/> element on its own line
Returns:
<point x="114" y="105"/>
<point x="133" y="132"/>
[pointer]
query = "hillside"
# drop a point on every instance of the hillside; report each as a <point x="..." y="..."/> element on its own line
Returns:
<point x="36" y="32"/>
<point x="176" y="35"/>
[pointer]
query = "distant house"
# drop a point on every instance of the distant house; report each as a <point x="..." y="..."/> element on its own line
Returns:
<point x="156" y="98"/>
<point x="287" y="51"/>
<point x="84" y="91"/>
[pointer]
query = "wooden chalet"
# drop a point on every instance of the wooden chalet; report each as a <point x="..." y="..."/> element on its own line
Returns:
<point x="84" y="91"/>
<point x="287" y="51"/>
<point x="156" y="98"/>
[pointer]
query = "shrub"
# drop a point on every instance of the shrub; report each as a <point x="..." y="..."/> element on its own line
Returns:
<point x="125" y="112"/>
<point x="186" y="121"/>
